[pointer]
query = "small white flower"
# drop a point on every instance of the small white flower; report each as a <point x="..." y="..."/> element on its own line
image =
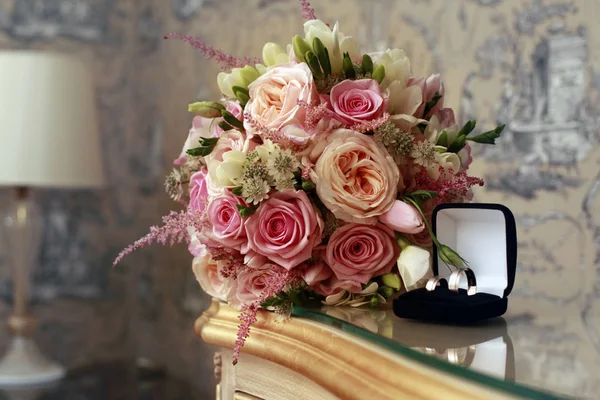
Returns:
<point x="413" y="265"/>
<point x="228" y="173"/>
<point x="267" y="150"/>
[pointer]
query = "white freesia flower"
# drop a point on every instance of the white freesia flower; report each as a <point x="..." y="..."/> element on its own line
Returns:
<point x="449" y="161"/>
<point x="397" y="67"/>
<point x="273" y="55"/>
<point x="241" y="77"/>
<point x="402" y="99"/>
<point x="227" y="173"/>
<point x="413" y="265"/>
<point x="267" y="150"/>
<point x="434" y="130"/>
<point x="336" y="42"/>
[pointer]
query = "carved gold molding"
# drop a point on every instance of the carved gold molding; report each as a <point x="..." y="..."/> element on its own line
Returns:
<point x="348" y="367"/>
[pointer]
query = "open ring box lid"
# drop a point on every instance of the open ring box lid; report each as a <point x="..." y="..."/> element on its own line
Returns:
<point x="485" y="236"/>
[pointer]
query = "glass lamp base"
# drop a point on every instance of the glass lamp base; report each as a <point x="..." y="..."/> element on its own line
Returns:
<point x="24" y="365"/>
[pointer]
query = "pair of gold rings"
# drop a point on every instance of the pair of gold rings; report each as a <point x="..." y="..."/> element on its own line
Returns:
<point x="454" y="281"/>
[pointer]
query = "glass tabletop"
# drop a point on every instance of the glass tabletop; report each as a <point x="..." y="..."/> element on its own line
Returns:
<point x="538" y="356"/>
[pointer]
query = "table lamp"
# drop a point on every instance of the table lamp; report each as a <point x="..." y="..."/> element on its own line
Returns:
<point x="49" y="138"/>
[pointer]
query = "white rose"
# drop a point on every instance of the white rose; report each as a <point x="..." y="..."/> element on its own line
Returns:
<point x="241" y="77"/>
<point x="336" y="42"/>
<point x="413" y="265"/>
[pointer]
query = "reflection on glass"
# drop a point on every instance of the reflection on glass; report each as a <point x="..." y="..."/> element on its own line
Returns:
<point x="483" y="352"/>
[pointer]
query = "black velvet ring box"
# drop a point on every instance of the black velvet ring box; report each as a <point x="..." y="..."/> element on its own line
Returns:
<point x="485" y="236"/>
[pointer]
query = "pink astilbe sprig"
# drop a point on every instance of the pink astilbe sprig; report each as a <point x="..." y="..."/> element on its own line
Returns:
<point x="275" y="283"/>
<point x="451" y="190"/>
<point x="314" y="113"/>
<point x="226" y="61"/>
<point x="308" y="12"/>
<point x="174" y="230"/>
<point x="370" y="126"/>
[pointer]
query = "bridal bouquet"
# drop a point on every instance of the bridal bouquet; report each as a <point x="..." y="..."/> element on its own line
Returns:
<point x="313" y="178"/>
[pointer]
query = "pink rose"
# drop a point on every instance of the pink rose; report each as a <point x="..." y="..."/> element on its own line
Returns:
<point x="357" y="101"/>
<point x="333" y="285"/>
<point x="320" y="277"/>
<point x="251" y="283"/>
<point x="285" y="228"/>
<point x="403" y="217"/>
<point x="317" y="270"/>
<point x="198" y="190"/>
<point x="275" y="95"/>
<point x="227" y="226"/>
<point x="207" y="274"/>
<point x="465" y="157"/>
<point x="356" y="179"/>
<point x="358" y="252"/>
<point x="429" y="86"/>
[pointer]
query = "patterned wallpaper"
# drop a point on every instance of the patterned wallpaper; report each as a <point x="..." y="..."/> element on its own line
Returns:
<point x="534" y="65"/>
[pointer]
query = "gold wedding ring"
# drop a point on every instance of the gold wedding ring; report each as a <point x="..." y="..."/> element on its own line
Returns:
<point x="433" y="283"/>
<point x="454" y="280"/>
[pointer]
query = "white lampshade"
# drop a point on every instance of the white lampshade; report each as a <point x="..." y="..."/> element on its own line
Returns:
<point x="48" y="125"/>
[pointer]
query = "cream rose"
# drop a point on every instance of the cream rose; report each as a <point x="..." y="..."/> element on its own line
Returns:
<point x="356" y="179"/>
<point x="207" y="274"/>
<point x="274" y="96"/>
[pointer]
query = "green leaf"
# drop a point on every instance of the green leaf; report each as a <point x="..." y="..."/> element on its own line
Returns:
<point x="431" y="103"/>
<point x="308" y="186"/>
<point x="245" y="212"/>
<point x="323" y="55"/>
<point x="468" y="128"/>
<point x="206" y="147"/>
<point x="272" y="302"/>
<point x="237" y="191"/>
<point x="293" y="295"/>
<point x="225" y="126"/>
<point x="200" y="151"/>
<point x="379" y="74"/>
<point x="204" y="142"/>
<point x="458" y="144"/>
<point x="423" y="194"/>
<point x="367" y="64"/>
<point x="242" y="94"/>
<point x="348" y="67"/>
<point x="313" y="64"/>
<point x="300" y="48"/>
<point x="488" y="137"/>
<point x="443" y="139"/>
<point x="233" y="121"/>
